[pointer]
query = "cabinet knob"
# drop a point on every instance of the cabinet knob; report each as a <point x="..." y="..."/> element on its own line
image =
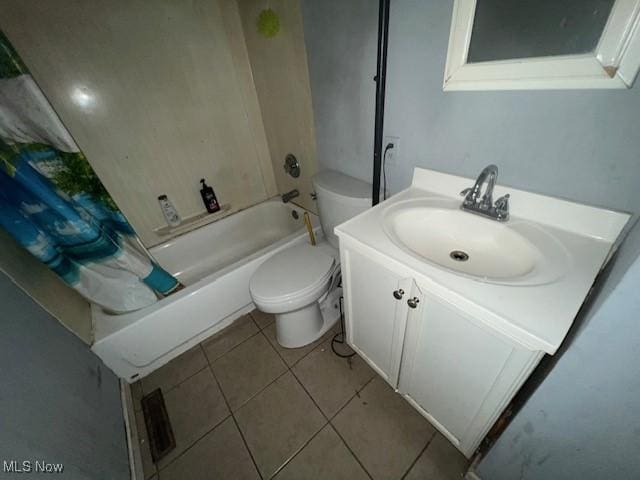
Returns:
<point x="413" y="302"/>
<point x="397" y="294"/>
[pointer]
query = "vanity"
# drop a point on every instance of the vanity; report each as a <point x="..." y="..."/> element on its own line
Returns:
<point x="455" y="310"/>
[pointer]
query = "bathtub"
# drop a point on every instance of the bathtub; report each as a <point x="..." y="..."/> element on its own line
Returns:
<point x="215" y="262"/>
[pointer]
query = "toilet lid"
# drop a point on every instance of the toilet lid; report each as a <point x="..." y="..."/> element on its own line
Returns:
<point x="291" y="272"/>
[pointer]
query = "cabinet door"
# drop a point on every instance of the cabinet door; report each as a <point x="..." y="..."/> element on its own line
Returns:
<point x="458" y="374"/>
<point x="375" y="318"/>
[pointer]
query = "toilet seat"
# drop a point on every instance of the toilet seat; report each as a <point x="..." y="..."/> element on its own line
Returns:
<point x="292" y="278"/>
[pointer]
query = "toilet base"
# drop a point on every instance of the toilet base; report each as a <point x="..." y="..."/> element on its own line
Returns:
<point x="305" y="325"/>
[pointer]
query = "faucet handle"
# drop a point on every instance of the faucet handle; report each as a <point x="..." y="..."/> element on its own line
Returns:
<point x="502" y="207"/>
<point x="469" y="196"/>
<point x="503" y="202"/>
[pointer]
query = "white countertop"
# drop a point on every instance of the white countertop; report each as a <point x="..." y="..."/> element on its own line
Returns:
<point x="536" y="316"/>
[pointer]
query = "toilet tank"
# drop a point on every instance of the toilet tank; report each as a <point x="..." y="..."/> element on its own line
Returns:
<point x="339" y="197"/>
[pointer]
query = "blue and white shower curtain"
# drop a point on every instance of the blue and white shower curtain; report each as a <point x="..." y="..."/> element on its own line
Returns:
<point x="53" y="204"/>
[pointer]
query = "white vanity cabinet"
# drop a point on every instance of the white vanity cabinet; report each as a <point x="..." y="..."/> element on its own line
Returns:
<point x="376" y="319"/>
<point x="457" y="335"/>
<point x="457" y="372"/>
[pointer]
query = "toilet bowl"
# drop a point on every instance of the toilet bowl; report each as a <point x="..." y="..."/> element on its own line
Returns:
<point x="300" y="285"/>
<point x="292" y="285"/>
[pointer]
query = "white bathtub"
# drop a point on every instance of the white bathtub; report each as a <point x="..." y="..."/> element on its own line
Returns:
<point x="215" y="262"/>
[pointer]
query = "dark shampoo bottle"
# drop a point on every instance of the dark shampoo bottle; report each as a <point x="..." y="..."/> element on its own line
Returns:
<point x="209" y="197"/>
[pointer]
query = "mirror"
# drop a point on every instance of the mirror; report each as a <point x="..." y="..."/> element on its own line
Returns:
<point x="504" y="29"/>
<point x="538" y="44"/>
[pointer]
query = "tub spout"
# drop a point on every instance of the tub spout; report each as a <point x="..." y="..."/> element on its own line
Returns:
<point x="286" y="197"/>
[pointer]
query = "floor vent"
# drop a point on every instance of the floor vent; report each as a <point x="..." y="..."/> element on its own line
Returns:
<point x="161" y="439"/>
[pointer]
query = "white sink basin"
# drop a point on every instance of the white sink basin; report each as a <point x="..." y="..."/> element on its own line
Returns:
<point x="516" y="252"/>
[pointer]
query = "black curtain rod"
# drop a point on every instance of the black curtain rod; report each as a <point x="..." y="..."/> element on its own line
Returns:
<point x="381" y="80"/>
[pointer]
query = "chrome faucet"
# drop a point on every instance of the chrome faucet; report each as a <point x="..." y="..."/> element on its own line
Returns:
<point x="484" y="205"/>
<point x="286" y="197"/>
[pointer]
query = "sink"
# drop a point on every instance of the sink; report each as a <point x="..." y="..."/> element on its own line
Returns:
<point x="517" y="252"/>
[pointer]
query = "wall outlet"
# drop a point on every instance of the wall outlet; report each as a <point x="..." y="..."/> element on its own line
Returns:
<point x="393" y="153"/>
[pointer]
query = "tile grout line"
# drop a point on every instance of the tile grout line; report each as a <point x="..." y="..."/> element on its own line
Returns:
<point x="206" y="357"/>
<point x="246" y="446"/>
<point x="256" y="322"/>
<point x="349" y="448"/>
<point x="210" y="364"/>
<point x="192" y="444"/>
<point x="286" y="462"/>
<point x="419" y="455"/>
<point x="231" y="349"/>
<point x="208" y="361"/>
<point x="306" y="354"/>
<point x="232" y="415"/>
<point x="259" y="391"/>
<point x="282" y="358"/>
<point x="298" y="451"/>
<point x="289" y="368"/>
<point x="231" y="411"/>
<point x="353" y="454"/>
<point x="329" y="419"/>
<point x="173" y="387"/>
<point x="356" y="394"/>
<point x="333" y="427"/>
<point x="164" y="392"/>
<point x="260" y="330"/>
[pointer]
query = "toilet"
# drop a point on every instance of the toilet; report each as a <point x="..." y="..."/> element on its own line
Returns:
<point x="300" y="284"/>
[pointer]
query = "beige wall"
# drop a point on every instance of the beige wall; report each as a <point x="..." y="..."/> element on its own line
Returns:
<point x="157" y="94"/>
<point x="45" y="287"/>
<point x="160" y="97"/>
<point x="281" y="77"/>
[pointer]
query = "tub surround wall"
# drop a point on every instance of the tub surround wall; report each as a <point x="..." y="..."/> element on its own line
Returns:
<point x="579" y="145"/>
<point x="46" y="288"/>
<point x="156" y="96"/>
<point x="281" y="76"/>
<point x="240" y="54"/>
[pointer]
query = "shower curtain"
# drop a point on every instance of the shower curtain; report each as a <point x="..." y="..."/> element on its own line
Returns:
<point x="53" y="204"/>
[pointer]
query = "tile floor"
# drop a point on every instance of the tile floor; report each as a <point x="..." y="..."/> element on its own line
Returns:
<point x="242" y="407"/>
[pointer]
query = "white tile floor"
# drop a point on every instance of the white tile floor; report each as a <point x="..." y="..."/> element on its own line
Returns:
<point x="243" y="407"/>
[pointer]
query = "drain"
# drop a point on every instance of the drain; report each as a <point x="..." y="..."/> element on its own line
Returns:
<point x="159" y="431"/>
<point x="459" y="256"/>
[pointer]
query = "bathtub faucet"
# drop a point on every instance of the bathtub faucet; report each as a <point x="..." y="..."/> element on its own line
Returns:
<point x="286" y="197"/>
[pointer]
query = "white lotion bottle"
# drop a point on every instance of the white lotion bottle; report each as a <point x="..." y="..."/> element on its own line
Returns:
<point x="169" y="211"/>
